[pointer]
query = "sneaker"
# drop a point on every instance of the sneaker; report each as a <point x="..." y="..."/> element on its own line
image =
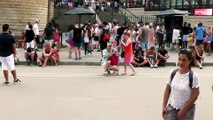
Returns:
<point x="151" y="66"/>
<point x="155" y="66"/>
<point x="17" y="81"/>
<point x="108" y="72"/>
<point x="6" y="83"/>
<point x="201" y="67"/>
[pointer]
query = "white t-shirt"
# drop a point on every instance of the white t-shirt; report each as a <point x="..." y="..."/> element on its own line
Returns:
<point x="176" y="34"/>
<point x="132" y="35"/>
<point x="36" y="29"/>
<point x="180" y="89"/>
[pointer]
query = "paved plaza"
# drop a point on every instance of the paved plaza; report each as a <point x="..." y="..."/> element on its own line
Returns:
<point x="84" y="93"/>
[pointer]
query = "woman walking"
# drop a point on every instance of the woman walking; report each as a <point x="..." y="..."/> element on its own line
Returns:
<point x="128" y="53"/>
<point x="181" y="91"/>
<point x="70" y="40"/>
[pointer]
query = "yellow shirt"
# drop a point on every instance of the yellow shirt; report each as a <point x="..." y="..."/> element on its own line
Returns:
<point x="190" y="40"/>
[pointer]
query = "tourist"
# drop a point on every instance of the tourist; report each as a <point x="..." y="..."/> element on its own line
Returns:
<point x="7" y="54"/>
<point x="181" y="91"/>
<point x="200" y="33"/>
<point x="128" y="53"/>
<point x="163" y="55"/>
<point x="151" y="55"/>
<point x="36" y="32"/>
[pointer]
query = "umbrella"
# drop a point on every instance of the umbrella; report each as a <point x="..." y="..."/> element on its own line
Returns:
<point x="79" y="11"/>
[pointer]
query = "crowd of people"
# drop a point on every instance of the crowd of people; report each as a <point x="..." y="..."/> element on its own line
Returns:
<point x="147" y="40"/>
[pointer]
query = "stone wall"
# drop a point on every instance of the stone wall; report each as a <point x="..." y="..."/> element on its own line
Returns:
<point x="17" y="13"/>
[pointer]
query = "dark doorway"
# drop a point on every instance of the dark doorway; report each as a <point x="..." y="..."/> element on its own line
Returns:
<point x="170" y="22"/>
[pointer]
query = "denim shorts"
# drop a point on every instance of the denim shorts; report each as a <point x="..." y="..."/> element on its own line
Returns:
<point x="172" y="113"/>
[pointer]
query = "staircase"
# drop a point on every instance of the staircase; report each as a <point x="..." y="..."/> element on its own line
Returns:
<point x="109" y="16"/>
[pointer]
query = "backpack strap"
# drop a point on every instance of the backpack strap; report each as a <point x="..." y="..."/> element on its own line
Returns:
<point x="190" y="78"/>
<point x="172" y="75"/>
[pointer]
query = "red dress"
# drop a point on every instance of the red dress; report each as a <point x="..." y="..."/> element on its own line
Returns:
<point x="128" y="53"/>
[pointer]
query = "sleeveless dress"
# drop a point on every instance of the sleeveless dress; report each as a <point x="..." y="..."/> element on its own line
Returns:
<point x="128" y="53"/>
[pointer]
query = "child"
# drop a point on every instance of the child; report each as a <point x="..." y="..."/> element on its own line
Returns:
<point x="190" y="40"/>
<point x="55" y="56"/>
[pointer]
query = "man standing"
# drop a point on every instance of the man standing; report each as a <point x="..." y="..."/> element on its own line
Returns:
<point x="200" y="32"/>
<point x="7" y="54"/>
<point x="36" y="32"/>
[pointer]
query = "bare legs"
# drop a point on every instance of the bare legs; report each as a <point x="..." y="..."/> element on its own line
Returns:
<point x="71" y="49"/>
<point x="5" y="72"/>
<point x="131" y="67"/>
<point x="77" y="53"/>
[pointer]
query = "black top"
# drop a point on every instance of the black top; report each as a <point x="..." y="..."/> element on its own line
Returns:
<point x="6" y="44"/>
<point x="77" y="35"/>
<point x="163" y="52"/>
<point x="48" y="33"/>
<point x="29" y="35"/>
<point x="185" y="30"/>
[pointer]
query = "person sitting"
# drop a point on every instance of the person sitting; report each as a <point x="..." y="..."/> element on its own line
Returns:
<point x="55" y="57"/>
<point x="152" y="57"/>
<point x="30" y="56"/>
<point x="105" y="62"/>
<point x="198" y="56"/>
<point x="138" y="59"/>
<point x="46" y="55"/>
<point x="114" y="63"/>
<point x="163" y="55"/>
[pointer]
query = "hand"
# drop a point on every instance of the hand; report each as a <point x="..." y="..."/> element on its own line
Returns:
<point x="164" y="111"/>
<point x="180" y="115"/>
<point x="212" y="87"/>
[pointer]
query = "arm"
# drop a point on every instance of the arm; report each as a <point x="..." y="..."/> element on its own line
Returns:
<point x="14" y="49"/>
<point x="125" y="44"/>
<point x="51" y="51"/>
<point x="189" y="104"/>
<point x="165" y="99"/>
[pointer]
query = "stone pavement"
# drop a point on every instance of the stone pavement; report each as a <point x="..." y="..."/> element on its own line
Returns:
<point x="95" y="58"/>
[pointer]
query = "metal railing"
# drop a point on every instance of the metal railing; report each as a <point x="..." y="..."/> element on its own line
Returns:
<point x="129" y="16"/>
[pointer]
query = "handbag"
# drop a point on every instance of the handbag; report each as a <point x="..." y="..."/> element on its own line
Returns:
<point x="122" y="54"/>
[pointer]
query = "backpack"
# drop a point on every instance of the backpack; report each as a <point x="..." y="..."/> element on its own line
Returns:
<point x="190" y="76"/>
<point x="106" y="36"/>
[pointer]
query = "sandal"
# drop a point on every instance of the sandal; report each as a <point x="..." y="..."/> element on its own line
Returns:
<point x="123" y="74"/>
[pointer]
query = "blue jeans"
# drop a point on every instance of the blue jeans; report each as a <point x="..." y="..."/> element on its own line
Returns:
<point x="144" y="45"/>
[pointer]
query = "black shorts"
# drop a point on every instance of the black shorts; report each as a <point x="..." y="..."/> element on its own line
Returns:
<point x="37" y="39"/>
<point x="103" y="45"/>
<point x="199" y="42"/>
<point x="139" y="61"/>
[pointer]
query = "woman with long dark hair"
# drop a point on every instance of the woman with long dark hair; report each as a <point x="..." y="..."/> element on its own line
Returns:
<point x="182" y="90"/>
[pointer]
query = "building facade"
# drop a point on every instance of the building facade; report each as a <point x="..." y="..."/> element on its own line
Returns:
<point x="18" y="13"/>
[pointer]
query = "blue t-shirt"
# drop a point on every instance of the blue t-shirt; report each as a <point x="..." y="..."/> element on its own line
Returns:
<point x="200" y="32"/>
<point x="105" y="52"/>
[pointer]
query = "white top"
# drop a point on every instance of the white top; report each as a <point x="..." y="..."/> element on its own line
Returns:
<point x="86" y="37"/>
<point x="36" y="29"/>
<point x="97" y="31"/>
<point x="180" y="89"/>
<point x="132" y="35"/>
<point x="27" y="28"/>
<point x="176" y="34"/>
